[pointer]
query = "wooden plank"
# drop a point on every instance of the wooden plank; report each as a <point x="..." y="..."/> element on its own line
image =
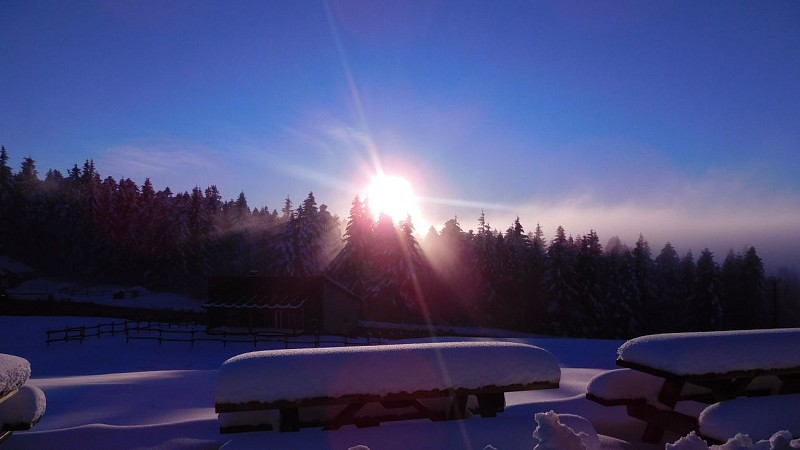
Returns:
<point x="659" y="420"/>
<point x="345" y="417"/>
<point x="670" y="392"/>
<point x="458" y="407"/>
<point x="7" y="394"/>
<point x="613" y="401"/>
<point x="245" y="428"/>
<point x="348" y="399"/>
<point x="491" y="404"/>
<point x="290" y="419"/>
<point x="699" y="379"/>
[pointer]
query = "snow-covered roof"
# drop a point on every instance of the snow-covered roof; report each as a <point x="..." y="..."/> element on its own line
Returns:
<point x="14" y="372"/>
<point x="260" y="302"/>
<point x="715" y="352"/>
<point x="297" y="374"/>
<point x="11" y="265"/>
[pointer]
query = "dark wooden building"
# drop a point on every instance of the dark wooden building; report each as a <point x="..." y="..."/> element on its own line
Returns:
<point x="290" y="304"/>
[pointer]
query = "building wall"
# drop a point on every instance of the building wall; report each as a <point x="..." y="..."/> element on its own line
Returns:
<point x="341" y="311"/>
<point x="328" y="308"/>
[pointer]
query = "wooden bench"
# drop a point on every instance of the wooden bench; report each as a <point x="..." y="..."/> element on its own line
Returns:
<point x="364" y="386"/>
<point x="21" y="405"/>
<point x="728" y="365"/>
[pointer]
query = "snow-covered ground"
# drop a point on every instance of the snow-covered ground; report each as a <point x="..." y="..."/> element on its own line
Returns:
<point x="106" y="393"/>
<point x="131" y="296"/>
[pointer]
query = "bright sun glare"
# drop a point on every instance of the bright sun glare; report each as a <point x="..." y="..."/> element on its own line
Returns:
<point x="392" y="195"/>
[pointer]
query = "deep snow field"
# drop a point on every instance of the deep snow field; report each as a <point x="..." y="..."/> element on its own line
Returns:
<point x="111" y="394"/>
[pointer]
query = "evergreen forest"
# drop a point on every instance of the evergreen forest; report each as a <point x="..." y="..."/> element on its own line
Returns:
<point x="82" y="225"/>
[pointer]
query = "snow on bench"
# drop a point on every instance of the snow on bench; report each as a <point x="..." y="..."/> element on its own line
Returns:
<point x="14" y="372"/>
<point x="758" y="417"/>
<point x="624" y="386"/>
<point x="397" y="377"/>
<point x="21" y="406"/>
<point x="22" y="410"/>
<point x="715" y="352"/>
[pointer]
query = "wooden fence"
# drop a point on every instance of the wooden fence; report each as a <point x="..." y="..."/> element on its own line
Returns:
<point x="192" y="333"/>
<point x="108" y="329"/>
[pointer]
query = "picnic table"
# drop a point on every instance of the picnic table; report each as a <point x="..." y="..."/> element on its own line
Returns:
<point x="713" y="383"/>
<point x="367" y="385"/>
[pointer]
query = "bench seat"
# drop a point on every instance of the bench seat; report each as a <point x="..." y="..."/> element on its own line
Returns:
<point x="759" y="417"/>
<point x="624" y="386"/>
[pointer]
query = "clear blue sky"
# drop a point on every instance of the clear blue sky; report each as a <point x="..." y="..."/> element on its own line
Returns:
<point x="677" y="120"/>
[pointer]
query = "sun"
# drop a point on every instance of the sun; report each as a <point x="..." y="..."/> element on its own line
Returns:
<point x="392" y="195"/>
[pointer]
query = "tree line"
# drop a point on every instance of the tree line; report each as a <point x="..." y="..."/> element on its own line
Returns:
<point x="81" y="224"/>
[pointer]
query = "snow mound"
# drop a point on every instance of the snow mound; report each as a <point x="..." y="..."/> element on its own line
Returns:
<point x="781" y="440"/>
<point x="564" y="432"/>
<point x="757" y="417"/>
<point x="628" y="384"/>
<point x="715" y="351"/>
<point x="23" y="409"/>
<point x="297" y="374"/>
<point x="14" y="372"/>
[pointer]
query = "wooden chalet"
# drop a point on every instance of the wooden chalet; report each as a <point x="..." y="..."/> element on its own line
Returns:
<point x="296" y="305"/>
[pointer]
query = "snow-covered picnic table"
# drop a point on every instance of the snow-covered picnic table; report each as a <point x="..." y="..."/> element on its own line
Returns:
<point x="369" y="384"/>
<point x="21" y="406"/>
<point x="691" y="381"/>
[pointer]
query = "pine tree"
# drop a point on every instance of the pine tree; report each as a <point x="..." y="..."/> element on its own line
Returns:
<point x="383" y="291"/>
<point x="754" y="288"/>
<point x="647" y="304"/>
<point x="705" y="298"/>
<point x="7" y="234"/>
<point x="666" y="310"/>
<point x="619" y="312"/>
<point x="589" y="265"/>
<point x="560" y="280"/>
<point x="305" y="247"/>
<point x="352" y="265"/>
<point x="287" y="212"/>
<point x="736" y="313"/>
<point x="484" y="272"/>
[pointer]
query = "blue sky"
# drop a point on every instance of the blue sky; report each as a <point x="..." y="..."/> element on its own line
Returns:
<point x="677" y="120"/>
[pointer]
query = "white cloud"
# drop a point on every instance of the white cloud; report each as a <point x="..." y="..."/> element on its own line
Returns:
<point x="177" y="164"/>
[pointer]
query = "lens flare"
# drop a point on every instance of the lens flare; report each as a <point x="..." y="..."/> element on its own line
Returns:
<point x="392" y="195"/>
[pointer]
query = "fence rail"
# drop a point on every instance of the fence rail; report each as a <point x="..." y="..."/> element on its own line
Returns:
<point x="125" y="327"/>
<point x="168" y="332"/>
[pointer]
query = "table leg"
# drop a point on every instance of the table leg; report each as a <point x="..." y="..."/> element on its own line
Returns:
<point x="668" y="396"/>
